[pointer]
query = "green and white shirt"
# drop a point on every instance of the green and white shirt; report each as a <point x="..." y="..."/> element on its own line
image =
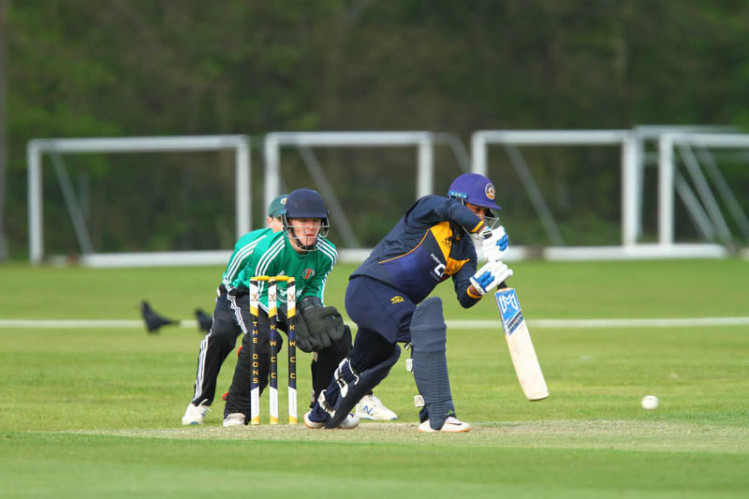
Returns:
<point x="264" y="252"/>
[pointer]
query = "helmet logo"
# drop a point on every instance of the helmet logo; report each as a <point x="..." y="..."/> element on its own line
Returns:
<point x="489" y="191"/>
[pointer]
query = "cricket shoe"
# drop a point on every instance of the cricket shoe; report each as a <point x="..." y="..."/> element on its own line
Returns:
<point x="452" y="425"/>
<point x="372" y="408"/>
<point x="351" y="422"/>
<point x="194" y="414"/>
<point x="234" y="419"/>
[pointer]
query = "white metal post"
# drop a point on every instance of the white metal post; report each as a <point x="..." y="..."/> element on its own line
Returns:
<point x="243" y="188"/>
<point x="478" y="153"/>
<point x="271" y="155"/>
<point x="666" y="189"/>
<point x="629" y="201"/>
<point x="425" y="176"/>
<point x="36" y="237"/>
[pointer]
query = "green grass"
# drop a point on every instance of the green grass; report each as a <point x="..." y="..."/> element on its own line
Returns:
<point x="95" y="412"/>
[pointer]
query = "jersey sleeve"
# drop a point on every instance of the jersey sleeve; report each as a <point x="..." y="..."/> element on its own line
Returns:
<point x="462" y="281"/>
<point x="241" y="257"/>
<point x="433" y="209"/>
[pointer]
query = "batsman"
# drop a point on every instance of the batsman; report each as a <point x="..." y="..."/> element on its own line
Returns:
<point x="387" y="298"/>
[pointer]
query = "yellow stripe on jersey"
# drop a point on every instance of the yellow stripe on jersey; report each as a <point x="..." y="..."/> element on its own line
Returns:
<point x="479" y="227"/>
<point x="443" y="234"/>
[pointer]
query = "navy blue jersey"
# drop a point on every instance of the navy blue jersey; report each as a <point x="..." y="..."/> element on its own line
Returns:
<point x="428" y="244"/>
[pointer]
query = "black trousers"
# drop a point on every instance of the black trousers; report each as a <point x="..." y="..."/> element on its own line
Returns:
<point x="229" y="315"/>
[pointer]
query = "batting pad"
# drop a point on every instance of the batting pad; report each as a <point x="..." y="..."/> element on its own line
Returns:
<point x="428" y="339"/>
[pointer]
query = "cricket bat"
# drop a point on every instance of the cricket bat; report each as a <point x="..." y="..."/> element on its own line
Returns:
<point x="521" y="348"/>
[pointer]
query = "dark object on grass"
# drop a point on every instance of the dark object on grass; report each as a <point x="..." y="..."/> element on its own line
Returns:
<point x="153" y="320"/>
<point x="205" y="321"/>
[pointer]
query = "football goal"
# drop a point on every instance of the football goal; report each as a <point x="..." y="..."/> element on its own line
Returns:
<point x="55" y="148"/>
<point x="630" y="193"/>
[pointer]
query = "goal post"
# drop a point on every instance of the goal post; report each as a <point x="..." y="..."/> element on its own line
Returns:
<point x="667" y="181"/>
<point x="36" y="149"/>
<point x="274" y="142"/>
<point x="423" y="141"/>
<point x="631" y="191"/>
<point x="622" y="138"/>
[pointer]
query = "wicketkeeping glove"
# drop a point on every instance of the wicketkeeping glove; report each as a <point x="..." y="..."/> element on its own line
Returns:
<point x="303" y="340"/>
<point x="324" y="326"/>
<point x="495" y="244"/>
<point x="490" y="276"/>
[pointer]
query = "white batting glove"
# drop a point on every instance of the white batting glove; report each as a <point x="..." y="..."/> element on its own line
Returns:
<point x="495" y="244"/>
<point x="490" y="276"/>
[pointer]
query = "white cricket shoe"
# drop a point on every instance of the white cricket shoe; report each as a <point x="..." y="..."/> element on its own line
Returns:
<point x="452" y="425"/>
<point x="372" y="408"/>
<point x="351" y="422"/>
<point x="194" y="414"/>
<point x="234" y="419"/>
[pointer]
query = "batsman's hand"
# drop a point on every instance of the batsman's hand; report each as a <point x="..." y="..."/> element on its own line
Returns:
<point x="495" y="244"/>
<point x="325" y="327"/>
<point x="490" y="276"/>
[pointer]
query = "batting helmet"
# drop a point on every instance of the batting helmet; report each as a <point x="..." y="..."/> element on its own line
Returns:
<point x="475" y="189"/>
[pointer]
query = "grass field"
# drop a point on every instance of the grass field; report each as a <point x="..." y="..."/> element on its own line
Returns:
<point x="95" y="412"/>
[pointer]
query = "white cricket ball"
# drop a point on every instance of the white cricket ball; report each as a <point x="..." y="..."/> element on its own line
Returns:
<point x="649" y="402"/>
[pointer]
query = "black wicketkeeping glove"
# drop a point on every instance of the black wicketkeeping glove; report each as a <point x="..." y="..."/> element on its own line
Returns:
<point x="303" y="340"/>
<point x="325" y="326"/>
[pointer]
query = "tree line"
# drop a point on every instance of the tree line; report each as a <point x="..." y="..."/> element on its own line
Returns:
<point x="83" y="68"/>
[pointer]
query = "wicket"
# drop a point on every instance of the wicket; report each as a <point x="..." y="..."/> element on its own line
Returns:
<point x="255" y="283"/>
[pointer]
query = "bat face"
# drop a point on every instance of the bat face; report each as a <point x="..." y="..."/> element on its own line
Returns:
<point x="519" y="342"/>
<point x="509" y="310"/>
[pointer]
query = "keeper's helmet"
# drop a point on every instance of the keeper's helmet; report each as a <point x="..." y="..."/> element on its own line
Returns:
<point x="305" y="203"/>
<point x="477" y="190"/>
<point x="276" y="207"/>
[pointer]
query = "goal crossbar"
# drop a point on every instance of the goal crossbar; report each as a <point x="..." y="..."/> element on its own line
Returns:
<point x="623" y="138"/>
<point x="423" y="141"/>
<point x="667" y="170"/>
<point x="38" y="147"/>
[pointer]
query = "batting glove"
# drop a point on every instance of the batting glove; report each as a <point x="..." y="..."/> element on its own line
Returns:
<point x="495" y="244"/>
<point x="490" y="276"/>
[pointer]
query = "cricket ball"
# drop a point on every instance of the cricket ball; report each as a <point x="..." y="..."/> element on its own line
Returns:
<point x="649" y="402"/>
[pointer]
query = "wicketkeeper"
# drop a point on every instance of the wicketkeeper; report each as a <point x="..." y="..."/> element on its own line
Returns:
<point x="301" y="251"/>
<point x="387" y="298"/>
<point x="222" y="337"/>
<point x="231" y="318"/>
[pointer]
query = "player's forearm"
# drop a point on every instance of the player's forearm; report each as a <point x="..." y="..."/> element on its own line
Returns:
<point x="465" y="217"/>
<point x="468" y="295"/>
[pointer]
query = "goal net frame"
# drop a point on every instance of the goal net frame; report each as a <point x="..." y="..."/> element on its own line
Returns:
<point x="709" y="211"/>
<point x="423" y="141"/>
<point x="37" y="148"/>
<point x="631" y="193"/>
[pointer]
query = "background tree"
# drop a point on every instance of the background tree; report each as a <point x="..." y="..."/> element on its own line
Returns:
<point x="83" y="68"/>
<point x="4" y="5"/>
